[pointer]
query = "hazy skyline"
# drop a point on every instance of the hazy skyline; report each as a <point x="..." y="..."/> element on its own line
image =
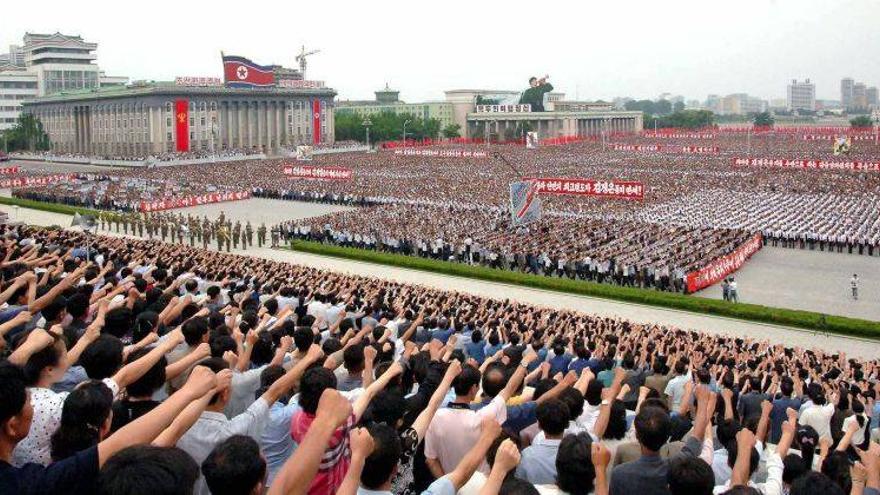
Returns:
<point x="624" y="48"/>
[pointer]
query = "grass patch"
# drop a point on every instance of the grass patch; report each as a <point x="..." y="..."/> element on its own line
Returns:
<point x="751" y="312"/>
<point x="50" y="207"/>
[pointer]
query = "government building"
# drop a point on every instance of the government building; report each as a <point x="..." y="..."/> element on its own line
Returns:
<point x="145" y="119"/>
<point x="496" y="114"/>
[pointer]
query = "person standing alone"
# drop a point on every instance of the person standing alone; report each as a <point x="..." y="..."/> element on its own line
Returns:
<point x="854" y="283"/>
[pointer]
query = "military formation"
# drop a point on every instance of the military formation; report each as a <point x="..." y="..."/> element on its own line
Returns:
<point x="222" y="233"/>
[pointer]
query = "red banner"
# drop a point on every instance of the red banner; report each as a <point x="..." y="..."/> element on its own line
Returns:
<point x="700" y="150"/>
<point x="807" y="164"/>
<point x="181" y="112"/>
<point x="659" y="148"/>
<point x="316" y="121"/>
<point x="441" y="153"/>
<point x="832" y="137"/>
<point x="724" y="266"/>
<point x="589" y="187"/>
<point x="8" y="170"/>
<point x="636" y="147"/>
<point x="679" y="135"/>
<point x="327" y="173"/>
<point x="34" y="181"/>
<point x="204" y="199"/>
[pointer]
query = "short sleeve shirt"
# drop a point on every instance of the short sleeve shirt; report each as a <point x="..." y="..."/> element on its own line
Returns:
<point x="336" y="458"/>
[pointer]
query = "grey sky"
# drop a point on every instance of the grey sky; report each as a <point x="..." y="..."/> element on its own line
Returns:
<point x="589" y="48"/>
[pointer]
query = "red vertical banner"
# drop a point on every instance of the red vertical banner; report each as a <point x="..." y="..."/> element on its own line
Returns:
<point x="181" y="112"/>
<point x="316" y="121"/>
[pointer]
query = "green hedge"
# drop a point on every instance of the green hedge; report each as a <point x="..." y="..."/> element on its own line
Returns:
<point x="50" y="207"/>
<point x="751" y="312"/>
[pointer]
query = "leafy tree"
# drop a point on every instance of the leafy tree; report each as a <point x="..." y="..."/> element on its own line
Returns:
<point x="482" y="100"/>
<point x="28" y="134"/>
<point x="386" y="126"/>
<point x="452" y="131"/>
<point x="663" y="107"/>
<point x="763" y="119"/>
<point x="861" y="121"/>
<point x="688" y="119"/>
<point x="678" y="106"/>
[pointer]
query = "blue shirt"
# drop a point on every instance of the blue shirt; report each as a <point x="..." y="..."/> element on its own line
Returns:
<point x="578" y="365"/>
<point x="538" y="464"/>
<point x="275" y="441"/>
<point x="519" y="416"/>
<point x="559" y="364"/>
<point x="476" y="350"/>
<point x="779" y="416"/>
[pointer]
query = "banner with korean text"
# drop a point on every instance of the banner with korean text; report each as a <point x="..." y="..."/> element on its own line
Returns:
<point x="327" y="173"/>
<point x="34" y="181"/>
<point x="807" y="164"/>
<point x="8" y="170"/>
<point x="659" y="148"/>
<point x="718" y="269"/>
<point x="440" y="153"/>
<point x="186" y="202"/>
<point x="589" y="187"/>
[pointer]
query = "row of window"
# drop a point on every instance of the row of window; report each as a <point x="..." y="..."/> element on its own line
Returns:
<point x="18" y="84"/>
<point x="17" y="97"/>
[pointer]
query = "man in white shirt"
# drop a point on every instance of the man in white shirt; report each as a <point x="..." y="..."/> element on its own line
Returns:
<point x="444" y="451"/>
<point x="818" y="414"/>
<point x="213" y="426"/>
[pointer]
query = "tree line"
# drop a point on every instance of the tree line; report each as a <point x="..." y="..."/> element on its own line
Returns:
<point x="388" y="126"/>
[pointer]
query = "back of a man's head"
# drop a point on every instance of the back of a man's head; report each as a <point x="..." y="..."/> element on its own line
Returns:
<point x="381" y="464"/>
<point x="235" y="467"/>
<point x="194" y="331"/>
<point x="815" y="483"/>
<point x="466" y="380"/>
<point x="313" y="383"/>
<point x="103" y="357"/>
<point x="653" y="427"/>
<point x="575" y="472"/>
<point x="690" y="476"/>
<point x="148" y="470"/>
<point x="494" y="379"/>
<point x="553" y="417"/>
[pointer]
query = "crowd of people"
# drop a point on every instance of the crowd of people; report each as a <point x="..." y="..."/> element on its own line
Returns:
<point x="134" y="366"/>
<point x="697" y="208"/>
<point x="167" y="156"/>
<point x="112" y="192"/>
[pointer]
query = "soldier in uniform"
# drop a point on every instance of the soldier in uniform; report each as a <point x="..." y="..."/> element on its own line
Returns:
<point x="102" y="216"/>
<point x="193" y="231"/>
<point x="125" y="223"/>
<point x="275" y="237"/>
<point x="116" y="219"/>
<point x="140" y="225"/>
<point x="221" y="236"/>
<point x="249" y="234"/>
<point x="163" y="227"/>
<point x="261" y="234"/>
<point x="172" y="227"/>
<point x="236" y="234"/>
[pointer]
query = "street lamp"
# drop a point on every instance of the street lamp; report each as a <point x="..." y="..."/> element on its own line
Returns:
<point x="407" y="121"/>
<point x="367" y="123"/>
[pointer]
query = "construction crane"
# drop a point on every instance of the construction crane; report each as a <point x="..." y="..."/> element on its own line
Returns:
<point x="301" y="58"/>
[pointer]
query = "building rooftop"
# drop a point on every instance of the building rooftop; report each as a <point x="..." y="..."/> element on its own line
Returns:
<point x="160" y="88"/>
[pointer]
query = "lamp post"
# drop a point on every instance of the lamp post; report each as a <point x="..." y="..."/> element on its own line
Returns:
<point x="407" y="121"/>
<point x="367" y="123"/>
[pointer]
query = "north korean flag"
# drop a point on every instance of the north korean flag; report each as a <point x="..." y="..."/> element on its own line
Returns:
<point x="239" y="72"/>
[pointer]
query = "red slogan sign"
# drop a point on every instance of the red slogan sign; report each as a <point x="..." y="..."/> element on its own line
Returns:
<point x="330" y="173"/>
<point x="807" y="164"/>
<point x="724" y="266"/>
<point x="204" y="199"/>
<point x="589" y="187"/>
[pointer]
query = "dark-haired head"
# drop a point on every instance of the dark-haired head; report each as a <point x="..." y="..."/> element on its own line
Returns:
<point x="148" y="470"/>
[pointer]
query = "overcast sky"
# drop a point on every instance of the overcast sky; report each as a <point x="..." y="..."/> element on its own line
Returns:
<point x="590" y="49"/>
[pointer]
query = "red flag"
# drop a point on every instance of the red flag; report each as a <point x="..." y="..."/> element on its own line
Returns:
<point x="182" y="124"/>
<point x="240" y="72"/>
<point x="316" y="120"/>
